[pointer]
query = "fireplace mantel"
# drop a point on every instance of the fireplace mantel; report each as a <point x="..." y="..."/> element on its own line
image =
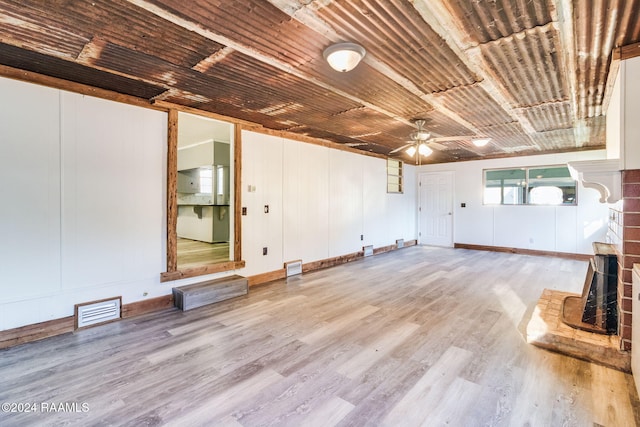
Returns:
<point x="601" y="175"/>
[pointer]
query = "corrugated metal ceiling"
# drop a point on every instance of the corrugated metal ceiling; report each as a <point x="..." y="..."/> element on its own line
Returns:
<point x="531" y="75"/>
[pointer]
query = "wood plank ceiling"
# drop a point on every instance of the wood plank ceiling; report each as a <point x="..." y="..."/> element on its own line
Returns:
<point x="532" y="75"/>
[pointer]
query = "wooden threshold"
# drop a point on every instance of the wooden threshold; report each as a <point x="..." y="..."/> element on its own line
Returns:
<point x="200" y="271"/>
<point x="520" y="251"/>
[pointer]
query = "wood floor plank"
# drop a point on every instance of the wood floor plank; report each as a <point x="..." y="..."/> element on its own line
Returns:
<point x="338" y="324"/>
<point x="222" y="404"/>
<point x="358" y="364"/>
<point x="329" y="414"/>
<point x="425" y="335"/>
<point x="426" y="395"/>
<point x="456" y="404"/>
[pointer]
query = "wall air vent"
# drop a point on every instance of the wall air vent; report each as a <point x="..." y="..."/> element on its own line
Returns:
<point x="293" y="267"/>
<point x="400" y="243"/>
<point x="368" y="250"/>
<point x="97" y="312"/>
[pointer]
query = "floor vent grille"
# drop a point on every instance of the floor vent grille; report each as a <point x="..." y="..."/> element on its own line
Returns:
<point x="293" y="267"/>
<point x="400" y="243"/>
<point x="95" y="313"/>
<point x="368" y="250"/>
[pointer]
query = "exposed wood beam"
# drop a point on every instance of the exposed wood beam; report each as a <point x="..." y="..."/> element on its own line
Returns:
<point x="33" y="77"/>
<point x="564" y="11"/>
<point x="627" y="52"/>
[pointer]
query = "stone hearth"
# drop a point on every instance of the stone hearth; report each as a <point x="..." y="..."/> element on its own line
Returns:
<point x="547" y="330"/>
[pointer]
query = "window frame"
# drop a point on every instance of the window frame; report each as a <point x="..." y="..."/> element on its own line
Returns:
<point x="526" y="187"/>
<point x="397" y="176"/>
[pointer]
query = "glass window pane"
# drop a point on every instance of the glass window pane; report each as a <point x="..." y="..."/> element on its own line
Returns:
<point x="394" y="176"/>
<point x="557" y="177"/>
<point x="505" y="186"/>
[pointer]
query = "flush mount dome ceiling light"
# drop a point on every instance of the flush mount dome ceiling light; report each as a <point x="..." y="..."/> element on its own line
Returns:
<point x="344" y="57"/>
<point x="480" y="142"/>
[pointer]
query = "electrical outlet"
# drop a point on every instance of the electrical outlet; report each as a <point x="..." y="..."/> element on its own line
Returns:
<point x="264" y="251"/>
<point x="244" y="211"/>
<point x="362" y="237"/>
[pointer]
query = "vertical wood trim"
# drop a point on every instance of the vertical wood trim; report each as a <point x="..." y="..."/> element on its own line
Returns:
<point x="172" y="196"/>
<point x="237" y="192"/>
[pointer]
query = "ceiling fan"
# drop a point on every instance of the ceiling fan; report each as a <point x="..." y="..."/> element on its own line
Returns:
<point x="421" y="138"/>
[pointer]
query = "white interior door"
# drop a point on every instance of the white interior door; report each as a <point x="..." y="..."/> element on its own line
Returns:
<point x="436" y="209"/>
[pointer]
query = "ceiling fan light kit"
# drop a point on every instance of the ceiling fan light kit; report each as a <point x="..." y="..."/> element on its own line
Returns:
<point x="424" y="150"/>
<point x="421" y="138"/>
<point x="345" y="56"/>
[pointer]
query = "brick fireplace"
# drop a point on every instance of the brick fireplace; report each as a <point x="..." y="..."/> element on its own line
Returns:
<point x="624" y="234"/>
<point x="618" y="180"/>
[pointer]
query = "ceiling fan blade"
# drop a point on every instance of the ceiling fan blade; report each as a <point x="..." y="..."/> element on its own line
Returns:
<point x="400" y="148"/>
<point x="433" y="144"/>
<point x="451" y="138"/>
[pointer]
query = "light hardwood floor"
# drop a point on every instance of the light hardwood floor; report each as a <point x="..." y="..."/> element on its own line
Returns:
<point x="420" y="336"/>
<point x="193" y="253"/>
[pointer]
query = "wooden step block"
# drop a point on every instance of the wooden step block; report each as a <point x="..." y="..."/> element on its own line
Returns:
<point x="209" y="292"/>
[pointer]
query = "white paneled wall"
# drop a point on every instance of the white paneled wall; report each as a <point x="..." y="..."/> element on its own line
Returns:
<point x="83" y="218"/>
<point x="262" y="169"/>
<point x="112" y="158"/>
<point x="328" y="198"/>
<point x="29" y="190"/>
<point x="345" y="203"/>
<point x="305" y="201"/>
<point x="84" y="203"/>
<point x="569" y="229"/>
<point x="375" y="203"/>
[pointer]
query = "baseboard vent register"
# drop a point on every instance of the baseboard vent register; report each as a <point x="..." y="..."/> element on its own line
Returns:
<point x="400" y="243"/>
<point x="98" y="312"/>
<point x="368" y="250"/>
<point x="293" y="268"/>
